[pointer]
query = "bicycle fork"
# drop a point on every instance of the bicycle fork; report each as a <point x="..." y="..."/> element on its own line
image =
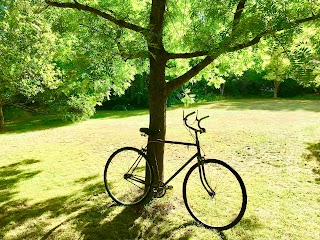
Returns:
<point x="204" y="180"/>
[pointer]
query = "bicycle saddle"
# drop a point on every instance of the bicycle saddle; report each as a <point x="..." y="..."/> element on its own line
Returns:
<point x="148" y="131"/>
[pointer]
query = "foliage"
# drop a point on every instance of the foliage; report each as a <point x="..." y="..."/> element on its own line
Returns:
<point x="277" y="67"/>
<point x="27" y="49"/>
<point x="229" y="66"/>
<point x="188" y="97"/>
<point x="49" y="62"/>
<point x="84" y="54"/>
<point x="306" y="57"/>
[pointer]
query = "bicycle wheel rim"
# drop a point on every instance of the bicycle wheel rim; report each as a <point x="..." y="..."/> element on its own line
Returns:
<point x="223" y="210"/>
<point x="126" y="190"/>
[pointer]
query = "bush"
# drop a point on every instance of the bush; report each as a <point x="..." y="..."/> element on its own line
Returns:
<point x="80" y="107"/>
<point x="291" y="88"/>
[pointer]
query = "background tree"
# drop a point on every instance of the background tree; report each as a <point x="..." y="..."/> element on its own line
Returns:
<point x="166" y="30"/>
<point x="277" y="68"/>
<point x="51" y="63"/>
<point x="27" y="49"/>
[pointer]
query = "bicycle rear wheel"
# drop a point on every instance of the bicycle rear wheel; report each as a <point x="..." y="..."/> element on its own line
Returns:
<point x="217" y="200"/>
<point x="128" y="176"/>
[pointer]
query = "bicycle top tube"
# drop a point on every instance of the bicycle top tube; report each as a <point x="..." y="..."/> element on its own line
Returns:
<point x="175" y="142"/>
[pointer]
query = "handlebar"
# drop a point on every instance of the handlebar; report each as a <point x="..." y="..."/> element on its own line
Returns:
<point x="201" y="129"/>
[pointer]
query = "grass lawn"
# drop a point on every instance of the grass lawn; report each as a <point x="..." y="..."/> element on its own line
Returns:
<point x="51" y="175"/>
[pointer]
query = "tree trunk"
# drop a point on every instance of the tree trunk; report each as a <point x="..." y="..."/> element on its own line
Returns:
<point x="157" y="108"/>
<point x="222" y="89"/>
<point x="276" y="88"/>
<point x="157" y="86"/>
<point x="1" y="116"/>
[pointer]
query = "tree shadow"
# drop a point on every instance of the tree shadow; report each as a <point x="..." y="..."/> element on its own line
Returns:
<point x="88" y="213"/>
<point x="11" y="175"/>
<point x="85" y="214"/>
<point x="120" y="227"/>
<point x="43" y="122"/>
<point x="314" y="155"/>
<point x="34" y="123"/>
<point x="119" y="114"/>
<point x="269" y="105"/>
<point x="250" y="223"/>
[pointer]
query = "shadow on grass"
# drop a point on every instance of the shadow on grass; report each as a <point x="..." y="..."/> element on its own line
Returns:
<point x="269" y="105"/>
<point x="250" y="224"/>
<point x="314" y="155"/>
<point x="34" y="123"/>
<point x="86" y="214"/>
<point x="11" y="175"/>
<point x="119" y="114"/>
<point x="43" y="122"/>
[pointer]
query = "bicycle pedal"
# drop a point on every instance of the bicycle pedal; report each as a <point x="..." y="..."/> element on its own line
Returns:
<point x="169" y="187"/>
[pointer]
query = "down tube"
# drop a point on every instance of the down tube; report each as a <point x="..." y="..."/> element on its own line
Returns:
<point x="177" y="172"/>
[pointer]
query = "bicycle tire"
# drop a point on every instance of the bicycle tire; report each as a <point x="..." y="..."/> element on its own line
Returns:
<point x="125" y="176"/>
<point x="223" y="210"/>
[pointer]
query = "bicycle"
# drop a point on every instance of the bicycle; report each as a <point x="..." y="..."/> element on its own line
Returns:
<point x="213" y="192"/>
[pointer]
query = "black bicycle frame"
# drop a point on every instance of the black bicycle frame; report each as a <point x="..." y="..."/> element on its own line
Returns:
<point x="198" y="156"/>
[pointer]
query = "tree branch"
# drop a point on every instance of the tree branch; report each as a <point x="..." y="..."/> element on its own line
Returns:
<point x="238" y="14"/>
<point x="308" y="19"/>
<point x="178" y="82"/>
<point x="287" y="26"/>
<point x="187" y="55"/>
<point x="86" y="8"/>
<point x="174" y="84"/>
<point x="254" y="41"/>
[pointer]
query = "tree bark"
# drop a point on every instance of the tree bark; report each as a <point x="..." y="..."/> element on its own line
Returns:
<point x="276" y="88"/>
<point x="157" y="88"/>
<point x="1" y="116"/>
<point x="157" y="114"/>
<point x="222" y="89"/>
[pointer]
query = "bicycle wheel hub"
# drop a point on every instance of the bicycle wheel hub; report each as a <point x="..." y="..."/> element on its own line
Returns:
<point x="127" y="175"/>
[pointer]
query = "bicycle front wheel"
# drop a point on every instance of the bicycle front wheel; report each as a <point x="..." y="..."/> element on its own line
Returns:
<point x="128" y="176"/>
<point x="214" y="195"/>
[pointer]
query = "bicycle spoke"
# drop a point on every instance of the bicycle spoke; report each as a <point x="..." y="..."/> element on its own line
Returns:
<point x="124" y="176"/>
<point x="135" y="184"/>
<point x="226" y="206"/>
<point x="134" y="165"/>
<point x="139" y="180"/>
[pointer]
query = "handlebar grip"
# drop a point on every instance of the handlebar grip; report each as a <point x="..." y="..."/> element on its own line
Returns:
<point x="203" y="118"/>
<point x="188" y="115"/>
<point x="202" y="130"/>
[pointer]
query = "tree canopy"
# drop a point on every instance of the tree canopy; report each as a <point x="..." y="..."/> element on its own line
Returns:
<point x="104" y="43"/>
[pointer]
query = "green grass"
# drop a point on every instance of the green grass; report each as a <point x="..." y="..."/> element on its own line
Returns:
<point x="51" y="175"/>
